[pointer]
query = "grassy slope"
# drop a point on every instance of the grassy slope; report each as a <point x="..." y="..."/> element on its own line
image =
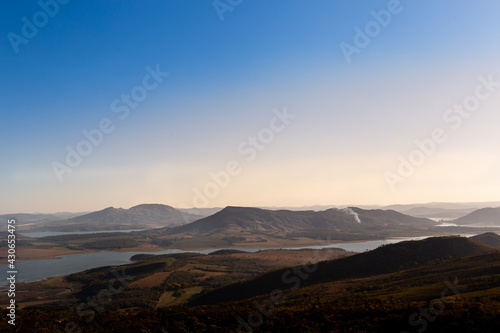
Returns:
<point x="381" y="303"/>
<point x="155" y="276"/>
<point x="385" y="259"/>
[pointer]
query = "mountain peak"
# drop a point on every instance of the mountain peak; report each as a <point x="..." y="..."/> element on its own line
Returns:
<point x="138" y="217"/>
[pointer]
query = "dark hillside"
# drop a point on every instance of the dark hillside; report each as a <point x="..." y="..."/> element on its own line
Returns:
<point x="489" y="238"/>
<point x="385" y="259"/>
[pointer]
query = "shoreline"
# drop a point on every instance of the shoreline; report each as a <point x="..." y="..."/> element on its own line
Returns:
<point x="41" y="254"/>
<point x="33" y="253"/>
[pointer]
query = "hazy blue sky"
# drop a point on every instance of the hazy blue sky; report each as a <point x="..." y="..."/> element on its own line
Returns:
<point x="302" y="102"/>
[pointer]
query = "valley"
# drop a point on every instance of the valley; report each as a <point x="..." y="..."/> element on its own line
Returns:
<point x="242" y="269"/>
<point x="329" y="290"/>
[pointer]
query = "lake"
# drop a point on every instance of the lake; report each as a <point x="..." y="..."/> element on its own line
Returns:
<point x="447" y="224"/>
<point x="35" y="270"/>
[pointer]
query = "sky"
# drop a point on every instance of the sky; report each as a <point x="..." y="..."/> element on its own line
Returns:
<point x="247" y="103"/>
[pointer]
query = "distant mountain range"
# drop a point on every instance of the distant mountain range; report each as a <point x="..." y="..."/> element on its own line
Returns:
<point x="231" y="220"/>
<point x="441" y="210"/>
<point x="138" y="217"/>
<point x="481" y="217"/>
<point x="438" y="213"/>
<point x="23" y="218"/>
<point x="241" y="221"/>
<point x="444" y="205"/>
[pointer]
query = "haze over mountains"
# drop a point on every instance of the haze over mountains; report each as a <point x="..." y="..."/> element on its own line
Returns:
<point x="25" y="218"/>
<point x="444" y="210"/>
<point x="252" y="220"/>
<point x="484" y="216"/>
<point x="441" y="210"/>
<point x="438" y="213"/>
<point x="138" y="217"/>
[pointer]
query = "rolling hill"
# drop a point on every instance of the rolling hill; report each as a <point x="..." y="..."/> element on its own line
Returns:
<point x="489" y="238"/>
<point x="23" y="218"/>
<point x="137" y="217"/>
<point x="481" y="217"/>
<point x="443" y="205"/>
<point x="451" y="286"/>
<point x="385" y="259"/>
<point x="285" y="223"/>
<point x="438" y="213"/>
<point x="261" y="220"/>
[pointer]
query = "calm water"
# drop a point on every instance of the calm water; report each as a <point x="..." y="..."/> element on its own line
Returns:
<point x="34" y="270"/>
